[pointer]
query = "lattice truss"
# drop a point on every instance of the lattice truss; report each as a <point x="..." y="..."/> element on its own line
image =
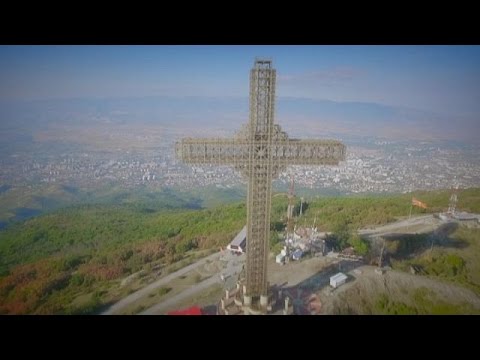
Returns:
<point x="260" y="151"/>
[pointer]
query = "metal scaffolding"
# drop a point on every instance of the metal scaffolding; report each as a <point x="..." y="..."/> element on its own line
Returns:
<point x="260" y="151"/>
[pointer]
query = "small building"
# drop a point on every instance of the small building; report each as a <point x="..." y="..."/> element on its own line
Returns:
<point x="337" y="280"/>
<point x="239" y="243"/>
<point x="280" y="258"/>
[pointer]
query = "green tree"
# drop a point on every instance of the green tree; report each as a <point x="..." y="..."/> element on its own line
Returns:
<point x="360" y="245"/>
<point x="274" y="239"/>
<point x="341" y="234"/>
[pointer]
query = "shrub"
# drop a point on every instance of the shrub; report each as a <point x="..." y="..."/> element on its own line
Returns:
<point x="164" y="290"/>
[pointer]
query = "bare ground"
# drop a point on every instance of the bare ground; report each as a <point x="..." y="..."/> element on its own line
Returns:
<point x="362" y="293"/>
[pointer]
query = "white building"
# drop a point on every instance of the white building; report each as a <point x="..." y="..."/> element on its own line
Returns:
<point x="239" y="243"/>
<point x="337" y="280"/>
<point x="280" y="258"/>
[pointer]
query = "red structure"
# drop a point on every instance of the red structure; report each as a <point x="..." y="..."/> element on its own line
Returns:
<point x="194" y="310"/>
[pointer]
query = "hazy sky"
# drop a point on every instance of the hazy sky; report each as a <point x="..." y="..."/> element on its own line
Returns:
<point x="443" y="79"/>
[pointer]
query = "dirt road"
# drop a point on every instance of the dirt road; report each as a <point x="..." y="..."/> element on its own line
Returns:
<point x="425" y="221"/>
<point x="225" y="273"/>
<point x="164" y="305"/>
<point x="161" y="282"/>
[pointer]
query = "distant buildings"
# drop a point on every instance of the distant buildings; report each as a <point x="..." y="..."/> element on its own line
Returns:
<point x="371" y="167"/>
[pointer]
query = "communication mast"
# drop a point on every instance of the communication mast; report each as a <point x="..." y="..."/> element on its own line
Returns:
<point x="291" y="205"/>
<point x="452" y="205"/>
<point x="290" y="222"/>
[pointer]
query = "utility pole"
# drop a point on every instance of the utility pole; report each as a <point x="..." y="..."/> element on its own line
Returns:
<point x="381" y="254"/>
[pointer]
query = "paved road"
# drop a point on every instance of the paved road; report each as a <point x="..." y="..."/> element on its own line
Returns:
<point x="187" y="293"/>
<point x="232" y="267"/>
<point x="163" y="281"/>
<point x="402" y="224"/>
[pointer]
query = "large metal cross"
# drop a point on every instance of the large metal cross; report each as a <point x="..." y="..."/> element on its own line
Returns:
<point x="260" y="151"/>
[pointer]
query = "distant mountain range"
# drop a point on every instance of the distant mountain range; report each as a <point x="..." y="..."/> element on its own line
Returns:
<point x="298" y="116"/>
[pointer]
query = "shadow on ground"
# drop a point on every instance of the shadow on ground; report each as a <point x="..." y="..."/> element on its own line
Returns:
<point x="405" y="246"/>
<point x="303" y="294"/>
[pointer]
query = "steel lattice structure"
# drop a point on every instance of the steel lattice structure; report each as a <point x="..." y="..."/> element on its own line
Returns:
<point x="260" y="151"/>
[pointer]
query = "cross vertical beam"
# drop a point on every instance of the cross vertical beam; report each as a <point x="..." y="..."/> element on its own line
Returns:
<point x="262" y="98"/>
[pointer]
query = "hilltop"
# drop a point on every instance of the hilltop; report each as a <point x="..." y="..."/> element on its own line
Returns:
<point x="73" y="260"/>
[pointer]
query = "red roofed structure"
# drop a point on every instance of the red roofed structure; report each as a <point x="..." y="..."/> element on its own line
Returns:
<point x="194" y="310"/>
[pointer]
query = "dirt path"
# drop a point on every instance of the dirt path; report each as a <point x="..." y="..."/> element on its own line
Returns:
<point x="422" y="223"/>
<point x="161" y="282"/>
<point x="230" y="266"/>
<point x="212" y="266"/>
<point x="164" y="305"/>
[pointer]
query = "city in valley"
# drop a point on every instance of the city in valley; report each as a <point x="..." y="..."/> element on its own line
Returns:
<point x="132" y="157"/>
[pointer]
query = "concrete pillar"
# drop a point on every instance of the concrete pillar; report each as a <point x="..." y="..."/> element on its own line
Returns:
<point x="286" y="303"/>
<point x="263" y="300"/>
<point x="244" y="289"/>
<point x="247" y="300"/>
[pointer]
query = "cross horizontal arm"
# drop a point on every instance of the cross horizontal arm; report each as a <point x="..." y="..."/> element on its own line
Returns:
<point x="283" y="152"/>
<point x="212" y="151"/>
<point x="308" y="152"/>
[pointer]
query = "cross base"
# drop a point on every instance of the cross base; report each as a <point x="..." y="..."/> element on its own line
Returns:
<point x="236" y="302"/>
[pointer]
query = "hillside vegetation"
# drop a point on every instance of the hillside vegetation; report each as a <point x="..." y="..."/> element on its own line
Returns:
<point x="362" y="211"/>
<point x="23" y="202"/>
<point x="69" y="261"/>
<point x="48" y="261"/>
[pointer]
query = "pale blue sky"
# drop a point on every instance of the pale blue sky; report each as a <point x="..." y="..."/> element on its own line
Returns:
<point x="442" y="79"/>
